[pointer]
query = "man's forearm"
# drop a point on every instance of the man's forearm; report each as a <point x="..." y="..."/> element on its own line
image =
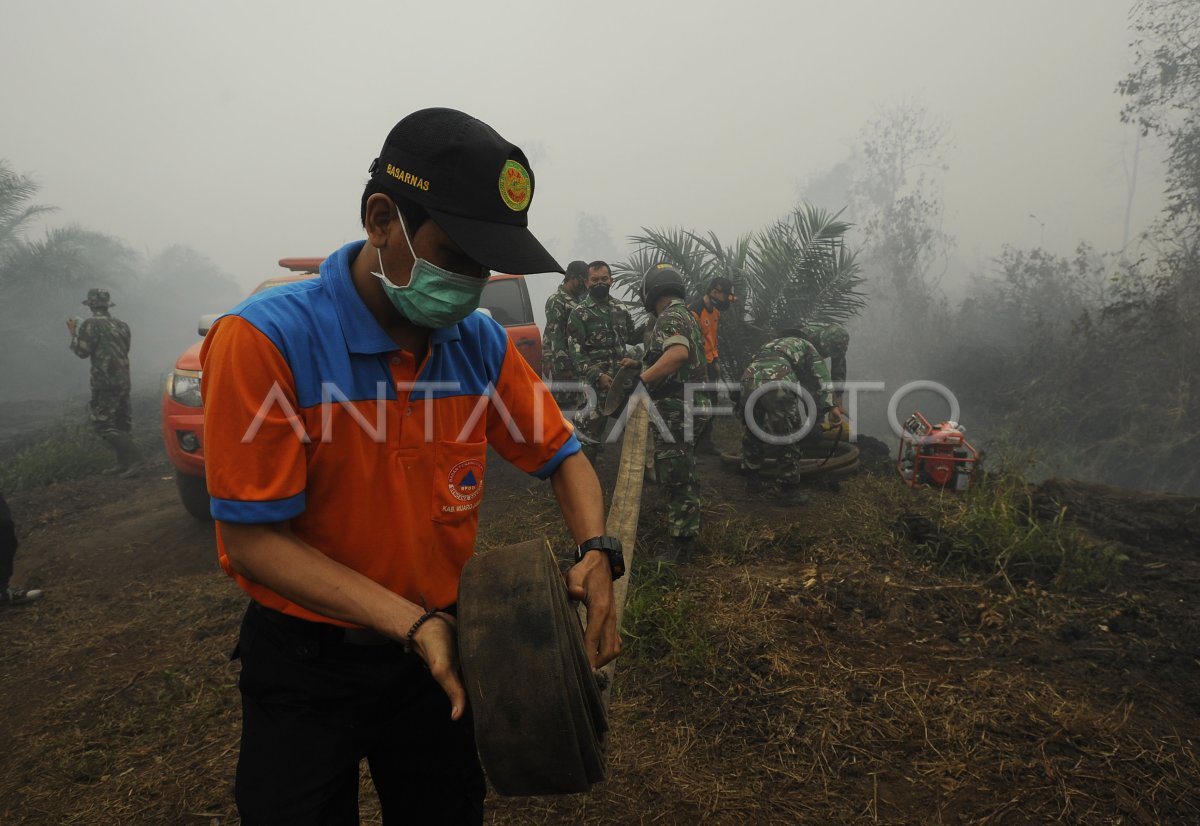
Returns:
<point x="582" y="502"/>
<point x="579" y="497"/>
<point x="671" y="360"/>
<point x="275" y="557"/>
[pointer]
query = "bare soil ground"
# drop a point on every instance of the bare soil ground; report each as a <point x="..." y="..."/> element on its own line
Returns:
<point x="822" y="674"/>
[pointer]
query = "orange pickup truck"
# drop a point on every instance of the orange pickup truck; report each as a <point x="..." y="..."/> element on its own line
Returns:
<point x="506" y="298"/>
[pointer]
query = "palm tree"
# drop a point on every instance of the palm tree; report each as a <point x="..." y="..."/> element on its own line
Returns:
<point x="42" y="281"/>
<point x="698" y="258"/>
<point x="799" y="270"/>
<point x="795" y="270"/>
<point x="15" y="212"/>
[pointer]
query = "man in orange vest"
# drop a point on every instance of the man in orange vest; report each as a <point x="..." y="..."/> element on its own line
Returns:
<point x="707" y="311"/>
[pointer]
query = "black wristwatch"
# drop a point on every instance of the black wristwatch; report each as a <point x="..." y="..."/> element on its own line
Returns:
<point x="611" y="546"/>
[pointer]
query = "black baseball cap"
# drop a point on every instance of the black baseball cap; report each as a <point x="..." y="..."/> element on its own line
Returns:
<point x="720" y="283"/>
<point x="473" y="183"/>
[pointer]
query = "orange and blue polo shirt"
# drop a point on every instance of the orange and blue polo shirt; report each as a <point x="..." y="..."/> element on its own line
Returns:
<point x="708" y="318"/>
<point x="314" y="417"/>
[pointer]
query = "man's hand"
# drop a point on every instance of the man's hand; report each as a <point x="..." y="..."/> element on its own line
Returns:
<point x="590" y="581"/>
<point x="628" y="362"/>
<point x="71" y="322"/>
<point x="837" y="415"/>
<point x="271" y="555"/>
<point x="582" y="502"/>
<point x="605" y="381"/>
<point x="436" y="642"/>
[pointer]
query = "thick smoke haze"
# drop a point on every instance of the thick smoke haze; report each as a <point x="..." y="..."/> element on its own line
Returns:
<point x="244" y="130"/>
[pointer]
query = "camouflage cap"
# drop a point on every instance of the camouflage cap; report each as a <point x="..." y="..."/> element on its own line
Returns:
<point x="98" y="298"/>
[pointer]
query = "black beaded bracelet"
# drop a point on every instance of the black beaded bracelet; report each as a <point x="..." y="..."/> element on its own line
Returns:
<point x="408" y="639"/>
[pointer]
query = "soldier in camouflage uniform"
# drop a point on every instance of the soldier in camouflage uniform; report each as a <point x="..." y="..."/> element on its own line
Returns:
<point x="777" y="412"/>
<point x="832" y="341"/>
<point x="556" y="355"/>
<point x="675" y="358"/>
<point x="598" y="332"/>
<point x="105" y="340"/>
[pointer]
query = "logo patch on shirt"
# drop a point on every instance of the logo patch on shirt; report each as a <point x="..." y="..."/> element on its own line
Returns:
<point x="466" y="480"/>
<point x="514" y="186"/>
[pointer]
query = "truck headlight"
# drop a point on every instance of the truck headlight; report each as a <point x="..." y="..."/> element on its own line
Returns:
<point x="185" y="387"/>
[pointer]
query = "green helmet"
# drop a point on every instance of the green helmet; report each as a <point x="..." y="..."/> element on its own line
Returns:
<point x="660" y="280"/>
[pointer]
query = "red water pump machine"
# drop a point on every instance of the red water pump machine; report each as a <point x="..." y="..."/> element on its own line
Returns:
<point x="936" y="455"/>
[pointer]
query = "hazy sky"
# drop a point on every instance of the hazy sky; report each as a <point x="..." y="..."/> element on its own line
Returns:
<point x="244" y="129"/>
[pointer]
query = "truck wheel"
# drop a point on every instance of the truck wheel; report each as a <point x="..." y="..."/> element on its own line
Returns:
<point x="193" y="492"/>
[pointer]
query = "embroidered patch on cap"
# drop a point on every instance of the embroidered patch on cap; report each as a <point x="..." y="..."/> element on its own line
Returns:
<point x="514" y="186"/>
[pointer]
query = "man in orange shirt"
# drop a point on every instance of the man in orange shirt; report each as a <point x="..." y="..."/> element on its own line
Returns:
<point x="707" y="311"/>
<point x="347" y="421"/>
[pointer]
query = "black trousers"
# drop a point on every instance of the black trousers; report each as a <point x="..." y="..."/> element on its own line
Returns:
<point x="314" y="705"/>
<point x="8" y="543"/>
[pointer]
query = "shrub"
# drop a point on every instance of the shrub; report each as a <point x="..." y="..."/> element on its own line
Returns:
<point x="991" y="530"/>
<point x="67" y="450"/>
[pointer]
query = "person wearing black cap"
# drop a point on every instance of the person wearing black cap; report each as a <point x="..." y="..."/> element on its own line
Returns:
<point x="346" y="457"/>
<point x="556" y="356"/>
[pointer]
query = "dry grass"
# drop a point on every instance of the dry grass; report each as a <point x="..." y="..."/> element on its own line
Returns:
<point x="849" y="683"/>
<point x="841" y="680"/>
<point x="137" y="721"/>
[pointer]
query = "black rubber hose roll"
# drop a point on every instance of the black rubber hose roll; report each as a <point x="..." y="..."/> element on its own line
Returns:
<point x="540" y="724"/>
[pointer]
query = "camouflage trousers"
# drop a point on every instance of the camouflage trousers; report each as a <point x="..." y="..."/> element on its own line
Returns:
<point x="568" y="400"/>
<point x="776" y="414"/>
<point x="109" y="410"/>
<point x="675" y="469"/>
<point x="590" y="424"/>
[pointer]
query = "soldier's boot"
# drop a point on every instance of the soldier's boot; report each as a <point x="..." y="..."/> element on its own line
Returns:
<point x="669" y="553"/>
<point x="755" y="486"/>
<point x="129" y="457"/>
<point x="685" y="547"/>
<point x="114" y="441"/>
<point x="791" y="495"/>
<point x="677" y="549"/>
<point x="704" y="442"/>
